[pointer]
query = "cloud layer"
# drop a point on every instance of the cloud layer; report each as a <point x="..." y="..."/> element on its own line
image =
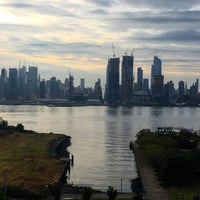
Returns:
<point x="79" y="34"/>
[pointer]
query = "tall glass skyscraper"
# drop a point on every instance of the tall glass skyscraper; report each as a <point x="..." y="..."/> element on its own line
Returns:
<point x="127" y="78"/>
<point x="157" y="81"/>
<point x="112" y="81"/>
<point x="139" y="78"/>
<point x="156" y="68"/>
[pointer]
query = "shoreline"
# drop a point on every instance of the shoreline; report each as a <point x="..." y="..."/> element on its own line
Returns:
<point x="151" y="187"/>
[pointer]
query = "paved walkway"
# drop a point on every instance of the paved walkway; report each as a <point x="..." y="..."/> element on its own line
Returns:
<point x="70" y="196"/>
<point x="149" y="179"/>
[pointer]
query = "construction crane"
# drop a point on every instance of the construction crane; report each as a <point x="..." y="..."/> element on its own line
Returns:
<point x="132" y="51"/>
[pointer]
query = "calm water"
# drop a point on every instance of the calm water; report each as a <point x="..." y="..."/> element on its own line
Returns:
<point x="100" y="136"/>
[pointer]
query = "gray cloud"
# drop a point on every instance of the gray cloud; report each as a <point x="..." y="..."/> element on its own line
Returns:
<point x="149" y="20"/>
<point x="18" y="5"/>
<point x="180" y="35"/>
<point x="99" y="12"/>
<point x="164" y="4"/>
<point x="34" y="46"/>
<point x="103" y="3"/>
<point x="41" y="8"/>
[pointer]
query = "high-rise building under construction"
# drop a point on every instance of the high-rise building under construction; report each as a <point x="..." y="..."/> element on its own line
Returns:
<point x="127" y="79"/>
<point x="112" y="81"/>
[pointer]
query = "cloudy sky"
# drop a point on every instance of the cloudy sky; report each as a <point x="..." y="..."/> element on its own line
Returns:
<point x="60" y="35"/>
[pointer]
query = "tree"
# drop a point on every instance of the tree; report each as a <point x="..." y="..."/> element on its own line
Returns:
<point x="20" y="127"/>
<point x="112" y="193"/>
<point x="3" y="125"/>
<point x="56" y="191"/>
<point x="87" y="193"/>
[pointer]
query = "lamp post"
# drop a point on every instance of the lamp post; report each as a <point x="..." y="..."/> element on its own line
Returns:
<point x="121" y="184"/>
<point x="49" y="188"/>
<point x="5" y="182"/>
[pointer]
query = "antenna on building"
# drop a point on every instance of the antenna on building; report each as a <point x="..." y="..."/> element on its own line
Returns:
<point x="113" y="49"/>
<point x="19" y="63"/>
<point x="127" y="50"/>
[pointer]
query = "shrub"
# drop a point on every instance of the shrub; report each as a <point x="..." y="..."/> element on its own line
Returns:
<point x="112" y="193"/>
<point x="87" y="193"/>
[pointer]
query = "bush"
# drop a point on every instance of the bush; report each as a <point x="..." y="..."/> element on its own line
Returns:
<point x="112" y="193"/>
<point x="19" y="192"/>
<point x="87" y="193"/>
<point x="174" y="155"/>
<point x="20" y="128"/>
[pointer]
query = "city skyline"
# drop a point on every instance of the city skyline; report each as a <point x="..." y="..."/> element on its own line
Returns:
<point x="77" y="36"/>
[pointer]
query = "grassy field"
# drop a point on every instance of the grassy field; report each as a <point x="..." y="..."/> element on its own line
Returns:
<point x="26" y="159"/>
<point x="186" y="193"/>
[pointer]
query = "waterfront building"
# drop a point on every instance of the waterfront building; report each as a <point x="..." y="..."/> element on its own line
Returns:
<point x="112" y="81"/>
<point x="141" y="98"/>
<point x="127" y="79"/>
<point x="139" y="78"/>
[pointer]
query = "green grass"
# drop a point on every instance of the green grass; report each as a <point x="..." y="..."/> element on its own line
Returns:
<point x="187" y="192"/>
<point x="26" y="159"/>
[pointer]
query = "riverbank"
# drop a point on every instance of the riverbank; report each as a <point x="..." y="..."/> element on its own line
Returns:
<point x="30" y="160"/>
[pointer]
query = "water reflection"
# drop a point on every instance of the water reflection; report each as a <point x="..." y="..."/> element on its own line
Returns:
<point x="100" y="135"/>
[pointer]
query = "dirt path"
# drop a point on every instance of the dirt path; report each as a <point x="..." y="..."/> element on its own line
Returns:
<point x="149" y="179"/>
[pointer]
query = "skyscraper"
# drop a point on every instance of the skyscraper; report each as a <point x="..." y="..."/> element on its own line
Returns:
<point x="127" y="78"/>
<point x="22" y="82"/>
<point x="139" y="78"/>
<point x="156" y="68"/>
<point x="3" y="84"/>
<point x="54" y="88"/>
<point x="42" y="89"/>
<point x="13" y="84"/>
<point x="32" y="82"/>
<point x="112" y="81"/>
<point x="98" y="90"/>
<point x="157" y="80"/>
<point x="145" y="84"/>
<point x="169" y="92"/>
<point x="82" y="83"/>
<point x="71" y="87"/>
<point x="181" y="90"/>
<point x="157" y="88"/>
<point x="4" y="75"/>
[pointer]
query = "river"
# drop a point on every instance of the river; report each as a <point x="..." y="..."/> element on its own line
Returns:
<point x="101" y="136"/>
